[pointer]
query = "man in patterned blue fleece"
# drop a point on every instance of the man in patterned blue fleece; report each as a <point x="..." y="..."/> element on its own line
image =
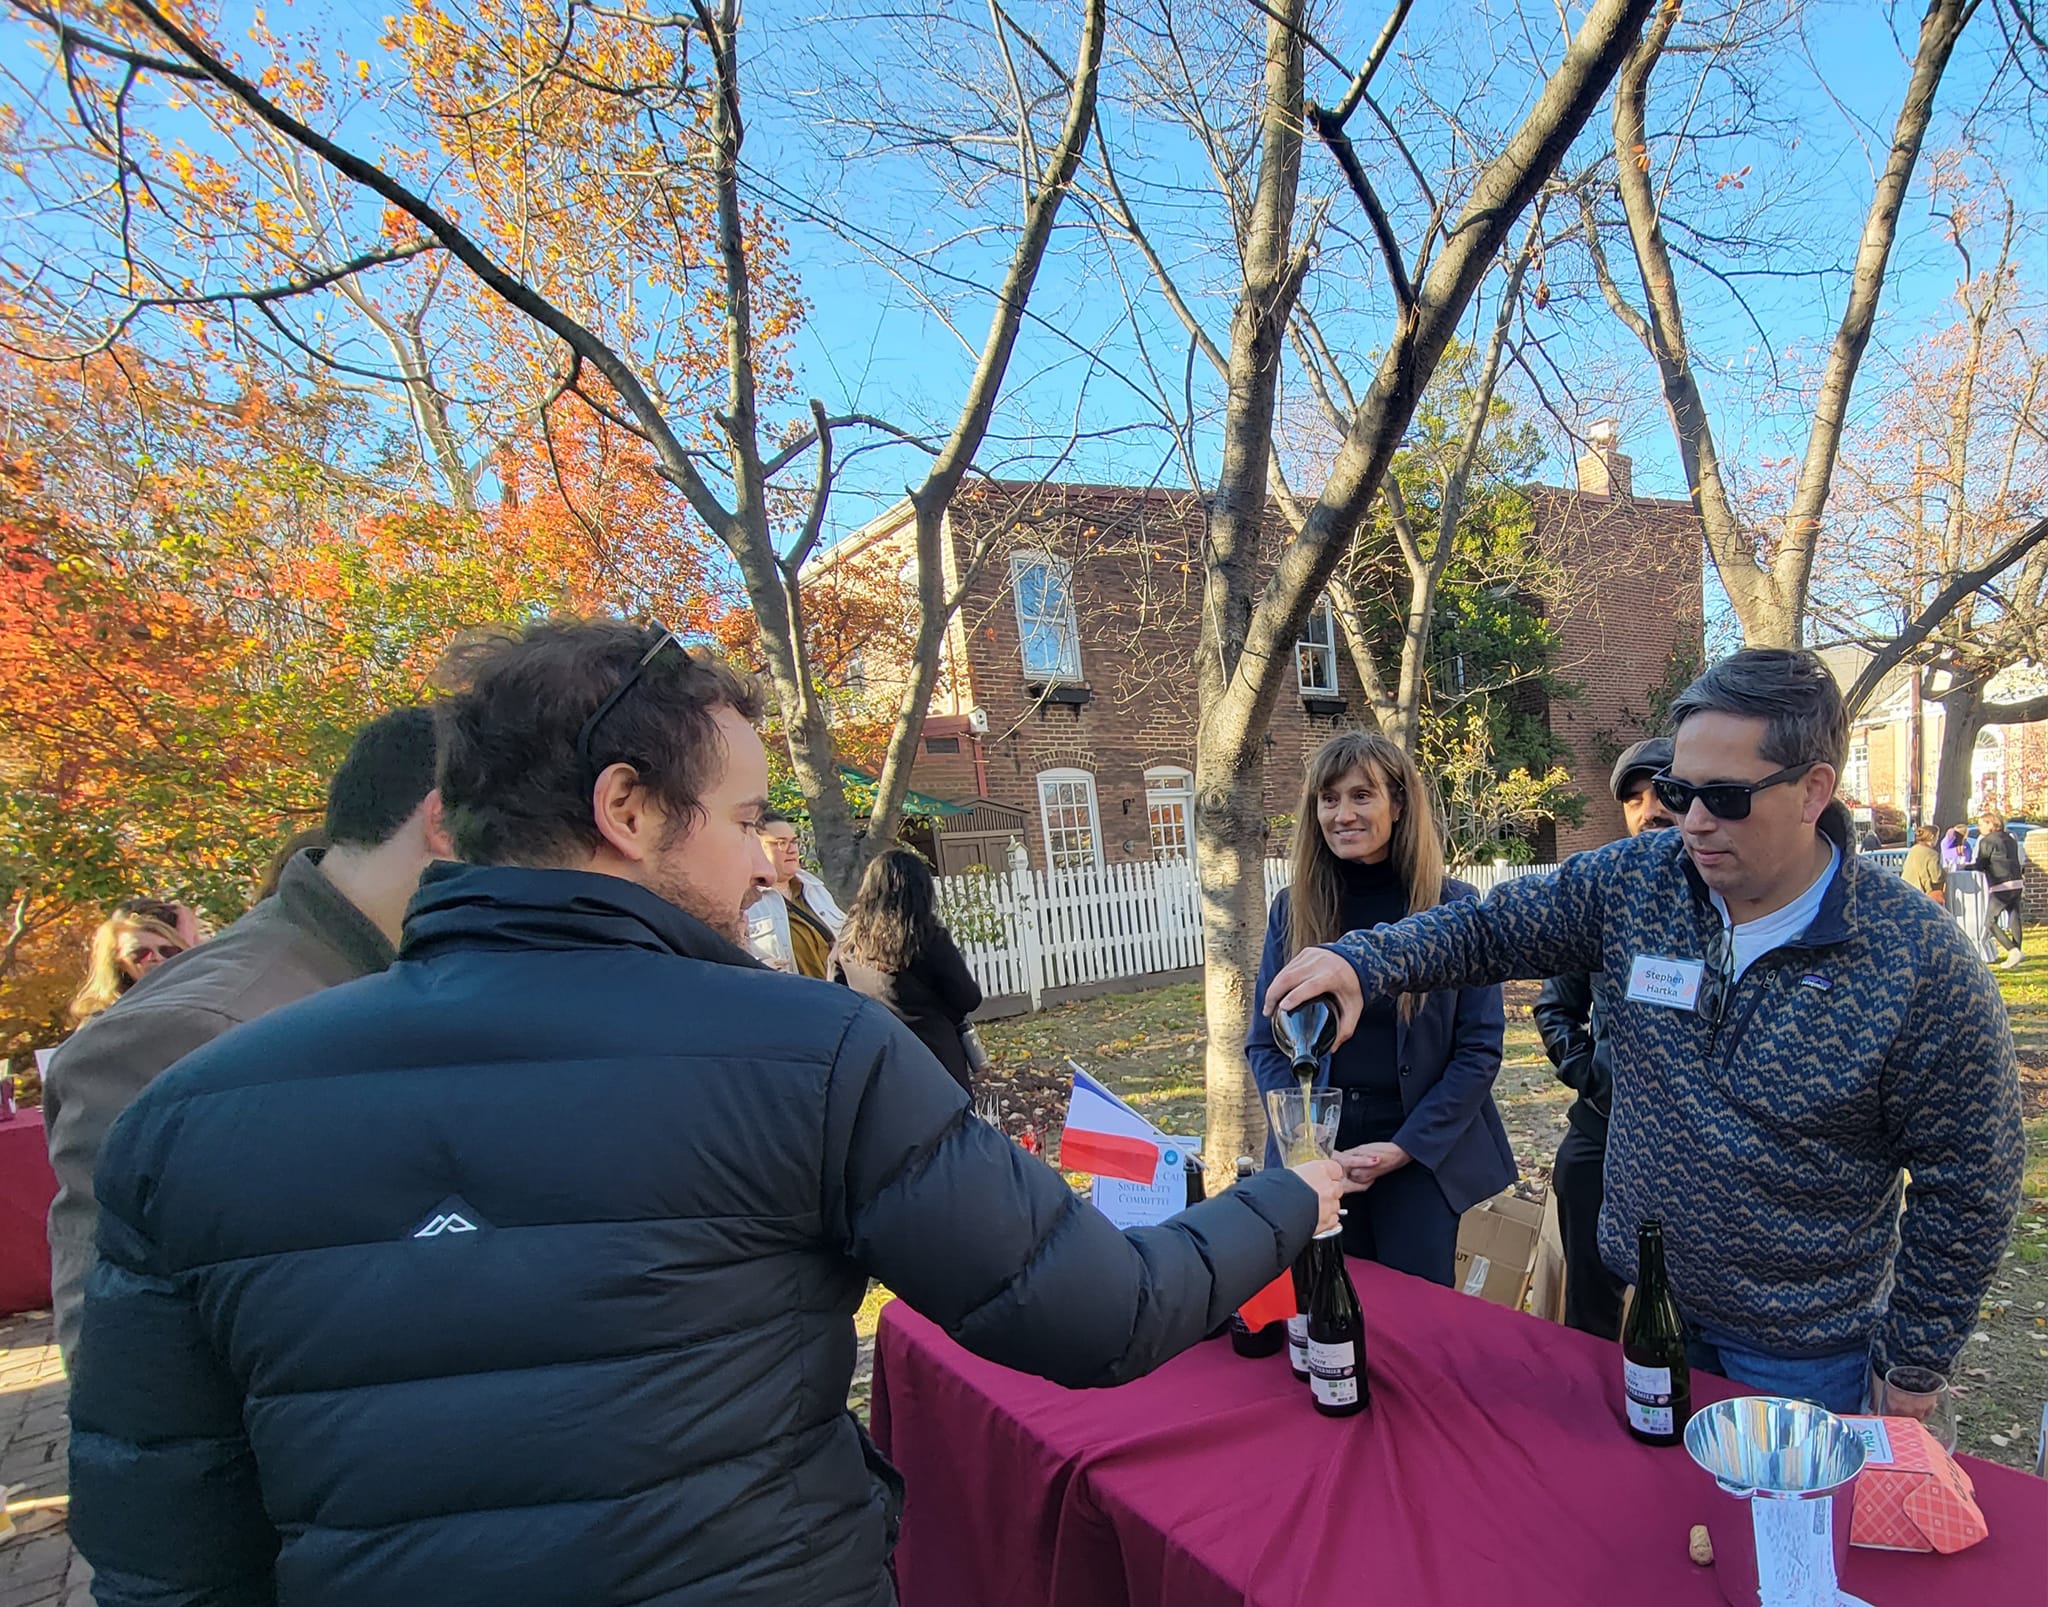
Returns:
<point x="1794" y="1031"/>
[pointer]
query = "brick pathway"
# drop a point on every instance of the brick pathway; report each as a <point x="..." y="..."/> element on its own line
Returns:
<point x="38" y="1568"/>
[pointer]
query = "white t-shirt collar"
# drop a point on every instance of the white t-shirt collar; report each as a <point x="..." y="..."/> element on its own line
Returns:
<point x="1752" y="940"/>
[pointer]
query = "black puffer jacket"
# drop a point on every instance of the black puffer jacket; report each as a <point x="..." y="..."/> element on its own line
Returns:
<point x="524" y="1273"/>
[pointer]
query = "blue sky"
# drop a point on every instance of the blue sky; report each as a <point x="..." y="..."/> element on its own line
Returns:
<point x="868" y="330"/>
<point x="1115" y="372"/>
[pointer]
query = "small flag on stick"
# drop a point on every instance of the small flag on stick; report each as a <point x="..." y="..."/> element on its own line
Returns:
<point x="1274" y="1303"/>
<point x="1105" y="1136"/>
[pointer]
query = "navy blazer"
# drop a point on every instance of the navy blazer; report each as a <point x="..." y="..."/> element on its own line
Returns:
<point x="1450" y="1055"/>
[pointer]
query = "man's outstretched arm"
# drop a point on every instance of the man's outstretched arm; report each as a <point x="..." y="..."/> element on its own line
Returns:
<point x="1533" y="926"/>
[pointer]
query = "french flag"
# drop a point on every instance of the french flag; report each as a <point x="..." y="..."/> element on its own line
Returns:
<point x="1105" y="1136"/>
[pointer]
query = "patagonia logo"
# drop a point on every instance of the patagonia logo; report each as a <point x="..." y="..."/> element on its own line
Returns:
<point x="452" y="1215"/>
<point x="1816" y="981"/>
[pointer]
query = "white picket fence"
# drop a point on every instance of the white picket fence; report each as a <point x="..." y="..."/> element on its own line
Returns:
<point x="1027" y="931"/>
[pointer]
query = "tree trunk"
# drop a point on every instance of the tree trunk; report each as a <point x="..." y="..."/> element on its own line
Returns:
<point x="1770" y="600"/>
<point x="1962" y="721"/>
<point x="1230" y="761"/>
<point x="1230" y="847"/>
<point x="1247" y="637"/>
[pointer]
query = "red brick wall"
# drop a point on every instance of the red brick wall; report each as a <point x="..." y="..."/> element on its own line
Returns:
<point x="1633" y="604"/>
<point x="1136" y="584"/>
<point x="1630" y="627"/>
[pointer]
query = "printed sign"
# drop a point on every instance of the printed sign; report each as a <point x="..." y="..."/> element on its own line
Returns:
<point x="1877" y="1444"/>
<point x="1656" y="979"/>
<point x="1795" y="1551"/>
<point x="1141" y="1205"/>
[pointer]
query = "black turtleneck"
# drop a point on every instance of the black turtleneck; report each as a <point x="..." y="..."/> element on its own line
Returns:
<point x="1366" y="1066"/>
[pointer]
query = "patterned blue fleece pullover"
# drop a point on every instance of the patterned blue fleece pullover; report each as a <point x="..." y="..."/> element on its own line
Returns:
<point x="1772" y="1148"/>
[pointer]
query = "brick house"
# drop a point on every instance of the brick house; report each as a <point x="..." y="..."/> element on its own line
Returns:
<point x="2008" y="768"/>
<point x="1065" y="715"/>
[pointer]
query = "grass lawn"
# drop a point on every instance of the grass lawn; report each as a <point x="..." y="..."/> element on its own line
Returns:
<point x="1148" y="1047"/>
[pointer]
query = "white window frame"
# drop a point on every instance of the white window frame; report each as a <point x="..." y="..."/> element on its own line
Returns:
<point x="1059" y="856"/>
<point x="1066" y="625"/>
<point x="1168" y="786"/>
<point x="1856" y="773"/>
<point x="1325" y="652"/>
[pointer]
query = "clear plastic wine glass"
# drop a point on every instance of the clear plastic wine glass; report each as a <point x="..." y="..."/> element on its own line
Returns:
<point x="1923" y="1395"/>
<point x="1304" y="1123"/>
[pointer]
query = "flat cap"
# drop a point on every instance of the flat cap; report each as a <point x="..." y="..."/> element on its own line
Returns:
<point x="1645" y="758"/>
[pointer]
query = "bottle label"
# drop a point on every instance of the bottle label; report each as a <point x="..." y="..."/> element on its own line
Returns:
<point x="1333" y="1373"/>
<point x="1649" y="1398"/>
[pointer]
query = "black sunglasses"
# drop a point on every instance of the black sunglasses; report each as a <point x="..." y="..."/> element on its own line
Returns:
<point x="1725" y="800"/>
<point x="590" y="765"/>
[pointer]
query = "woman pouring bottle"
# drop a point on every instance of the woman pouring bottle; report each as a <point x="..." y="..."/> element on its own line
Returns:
<point x="1417" y="1076"/>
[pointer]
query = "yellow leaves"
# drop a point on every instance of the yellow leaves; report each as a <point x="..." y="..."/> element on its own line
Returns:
<point x="1640" y="154"/>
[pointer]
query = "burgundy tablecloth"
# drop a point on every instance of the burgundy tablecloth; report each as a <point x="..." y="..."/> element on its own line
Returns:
<point x="1491" y="1467"/>
<point x="26" y="1188"/>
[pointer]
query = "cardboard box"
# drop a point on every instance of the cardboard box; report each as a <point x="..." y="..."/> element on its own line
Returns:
<point x="1911" y="1496"/>
<point x="1547" y="1284"/>
<point x="1498" y="1241"/>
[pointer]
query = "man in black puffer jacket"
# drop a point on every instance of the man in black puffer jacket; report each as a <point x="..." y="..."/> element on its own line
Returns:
<point x="524" y="1272"/>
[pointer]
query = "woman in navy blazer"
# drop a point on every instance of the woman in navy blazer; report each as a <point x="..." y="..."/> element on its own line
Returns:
<point x="1417" y="1075"/>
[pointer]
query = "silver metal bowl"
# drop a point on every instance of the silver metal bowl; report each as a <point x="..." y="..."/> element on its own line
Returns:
<point x="1766" y="1444"/>
<point x="1793" y="1467"/>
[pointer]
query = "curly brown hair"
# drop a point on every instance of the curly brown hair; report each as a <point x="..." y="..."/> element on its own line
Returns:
<point x="515" y="790"/>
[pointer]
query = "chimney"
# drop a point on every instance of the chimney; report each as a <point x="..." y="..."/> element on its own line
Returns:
<point x="1605" y="471"/>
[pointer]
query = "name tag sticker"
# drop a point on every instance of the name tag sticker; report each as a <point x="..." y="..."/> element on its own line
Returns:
<point x="1674" y="984"/>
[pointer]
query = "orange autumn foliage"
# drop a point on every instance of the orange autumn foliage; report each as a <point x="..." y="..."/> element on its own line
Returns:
<point x="191" y="632"/>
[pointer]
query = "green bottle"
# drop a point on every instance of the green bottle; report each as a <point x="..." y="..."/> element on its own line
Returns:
<point x="1336" y="1332"/>
<point x="1654" y="1374"/>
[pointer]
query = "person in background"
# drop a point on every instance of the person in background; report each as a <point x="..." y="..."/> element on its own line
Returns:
<point x="1870" y="842"/>
<point x="1418" y="1121"/>
<point x="894" y="949"/>
<point x="1570" y="1022"/>
<point x="778" y="830"/>
<point x="287" y="851"/>
<point x="2004" y="868"/>
<point x="137" y="937"/>
<point x="1793" y="1031"/>
<point x="335" y="917"/>
<point x="811" y="929"/>
<point x="1923" y="867"/>
<point x="1955" y="849"/>
<point x="524" y="1274"/>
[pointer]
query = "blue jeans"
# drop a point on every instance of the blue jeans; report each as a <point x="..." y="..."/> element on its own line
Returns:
<point x="1838" y="1382"/>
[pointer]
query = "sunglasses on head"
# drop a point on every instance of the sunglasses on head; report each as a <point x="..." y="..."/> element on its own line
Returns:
<point x="583" y="738"/>
<point x="1724" y="800"/>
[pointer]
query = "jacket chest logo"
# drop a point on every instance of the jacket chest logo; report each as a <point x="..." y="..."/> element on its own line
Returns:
<point x="452" y="1216"/>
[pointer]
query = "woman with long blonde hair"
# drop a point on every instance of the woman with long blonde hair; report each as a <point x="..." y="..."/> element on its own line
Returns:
<point x="140" y="935"/>
<point x="1417" y="1075"/>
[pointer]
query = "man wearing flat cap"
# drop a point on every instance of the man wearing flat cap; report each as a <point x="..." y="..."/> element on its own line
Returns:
<point x="1569" y="1022"/>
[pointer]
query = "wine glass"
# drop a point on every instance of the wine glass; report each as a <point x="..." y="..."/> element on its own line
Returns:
<point x="1922" y="1394"/>
<point x="1304" y="1122"/>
